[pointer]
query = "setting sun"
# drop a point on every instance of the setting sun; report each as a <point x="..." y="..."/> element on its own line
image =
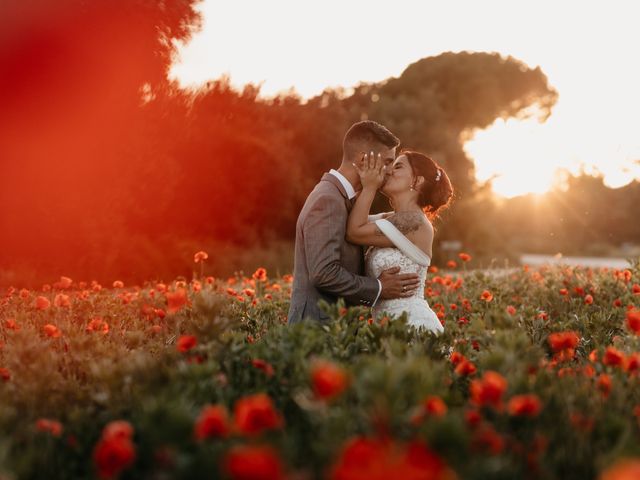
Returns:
<point x="512" y="155"/>
<point x="594" y="123"/>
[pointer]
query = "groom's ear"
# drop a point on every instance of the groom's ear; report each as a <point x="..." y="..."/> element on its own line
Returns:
<point x="360" y="159"/>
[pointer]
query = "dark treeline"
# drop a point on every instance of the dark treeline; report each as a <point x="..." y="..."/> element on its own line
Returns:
<point x="581" y="217"/>
<point x="109" y="170"/>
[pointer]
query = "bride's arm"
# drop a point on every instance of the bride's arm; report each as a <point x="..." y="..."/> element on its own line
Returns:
<point x="359" y="230"/>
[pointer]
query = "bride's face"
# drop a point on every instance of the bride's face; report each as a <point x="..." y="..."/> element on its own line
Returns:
<point x="399" y="176"/>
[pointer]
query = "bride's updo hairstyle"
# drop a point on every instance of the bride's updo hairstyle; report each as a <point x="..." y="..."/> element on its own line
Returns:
<point x="436" y="191"/>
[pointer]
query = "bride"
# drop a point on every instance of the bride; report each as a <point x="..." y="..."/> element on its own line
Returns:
<point x="417" y="188"/>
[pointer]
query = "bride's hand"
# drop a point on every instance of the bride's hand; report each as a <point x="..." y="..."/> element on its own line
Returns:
<point x="372" y="172"/>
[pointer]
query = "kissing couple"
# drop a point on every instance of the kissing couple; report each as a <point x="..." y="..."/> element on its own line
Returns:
<point x="334" y="227"/>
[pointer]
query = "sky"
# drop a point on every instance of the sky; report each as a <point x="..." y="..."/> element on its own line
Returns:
<point x="589" y="50"/>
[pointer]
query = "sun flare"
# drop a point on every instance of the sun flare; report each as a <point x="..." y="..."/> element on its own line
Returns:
<point x="594" y="123"/>
<point x="516" y="155"/>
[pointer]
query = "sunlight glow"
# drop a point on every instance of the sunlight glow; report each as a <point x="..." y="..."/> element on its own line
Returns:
<point x="312" y="46"/>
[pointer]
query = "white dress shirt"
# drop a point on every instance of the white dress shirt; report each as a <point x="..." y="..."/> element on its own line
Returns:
<point x="351" y="193"/>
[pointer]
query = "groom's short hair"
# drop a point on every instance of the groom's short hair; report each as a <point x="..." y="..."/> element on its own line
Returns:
<point x="366" y="134"/>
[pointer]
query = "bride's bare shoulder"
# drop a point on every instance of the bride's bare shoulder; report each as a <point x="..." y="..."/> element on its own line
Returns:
<point x="417" y="228"/>
<point x="408" y="222"/>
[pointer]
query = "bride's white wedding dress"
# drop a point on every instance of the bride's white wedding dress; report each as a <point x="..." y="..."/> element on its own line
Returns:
<point x="410" y="259"/>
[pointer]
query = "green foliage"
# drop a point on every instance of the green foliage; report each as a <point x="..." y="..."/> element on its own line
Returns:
<point x="134" y="372"/>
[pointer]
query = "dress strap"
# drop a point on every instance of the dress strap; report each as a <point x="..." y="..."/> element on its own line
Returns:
<point x="405" y="245"/>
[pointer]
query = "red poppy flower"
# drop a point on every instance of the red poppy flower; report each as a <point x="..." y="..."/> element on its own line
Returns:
<point x="465" y="257"/>
<point x="186" y="343"/>
<point x="328" y="380"/>
<point x="98" y="325"/>
<point x="260" y="274"/>
<point x="51" y="331"/>
<point x="10" y="324"/>
<point x="626" y="469"/>
<point x="465" y="368"/>
<point x="61" y="300"/>
<point x="364" y="458"/>
<point x="51" y="426"/>
<point x="176" y="299"/>
<point x="560" y="341"/>
<point x="42" y="303"/>
<point x="253" y="462"/>
<point x="486" y="295"/>
<point x="5" y="374"/>
<point x="432" y="406"/>
<point x="613" y="357"/>
<point x="200" y="256"/>
<point x="456" y="358"/>
<point x="249" y="292"/>
<point x="488" y="390"/>
<point x="213" y="422"/>
<point x="632" y="363"/>
<point x="511" y="310"/>
<point x="604" y="384"/>
<point x="472" y="418"/>
<point x="588" y="299"/>
<point x="266" y="367"/>
<point x="118" y="284"/>
<point x="633" y="320"/>
<point x="117" y="429"/>
<point x="255" y="414"/>
<point x="112" y="456"/>
<point x="527" y="405"/>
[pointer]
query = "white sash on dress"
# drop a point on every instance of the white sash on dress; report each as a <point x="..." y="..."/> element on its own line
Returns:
<point x="376" y="216"/>
<point x="405" y="245"/>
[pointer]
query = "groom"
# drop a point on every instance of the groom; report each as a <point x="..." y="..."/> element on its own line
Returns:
<point x="326" y="266"/>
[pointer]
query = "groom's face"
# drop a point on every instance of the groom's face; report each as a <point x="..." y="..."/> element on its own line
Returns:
<point x="388" y="157"/>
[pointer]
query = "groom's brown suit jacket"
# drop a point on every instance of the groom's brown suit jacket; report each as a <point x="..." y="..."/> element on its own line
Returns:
<point x="326" y="266"/>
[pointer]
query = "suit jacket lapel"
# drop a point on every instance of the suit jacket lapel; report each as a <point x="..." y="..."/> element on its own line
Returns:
<point x="327" y="177"/>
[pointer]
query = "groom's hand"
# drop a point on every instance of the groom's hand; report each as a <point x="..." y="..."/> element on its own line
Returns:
<point x="398" y="285"/>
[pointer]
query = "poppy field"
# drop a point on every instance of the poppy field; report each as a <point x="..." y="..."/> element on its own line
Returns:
<point x="537" y="375"/>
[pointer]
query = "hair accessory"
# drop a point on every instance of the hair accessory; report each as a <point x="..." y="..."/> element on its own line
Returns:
<point x="438" y="175"/>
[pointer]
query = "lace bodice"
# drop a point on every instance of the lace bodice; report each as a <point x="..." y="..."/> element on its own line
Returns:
<point x="378" y="259"/>
<point x="410" y="260"/>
